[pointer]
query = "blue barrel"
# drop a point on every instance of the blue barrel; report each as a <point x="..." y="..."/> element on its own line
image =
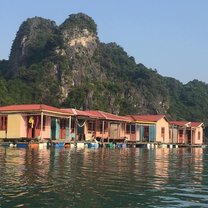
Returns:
<point x="93" y="145"/>
<point x="22" y="145"/>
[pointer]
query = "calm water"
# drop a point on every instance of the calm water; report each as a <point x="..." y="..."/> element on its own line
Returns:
<point x="130" y="177"/>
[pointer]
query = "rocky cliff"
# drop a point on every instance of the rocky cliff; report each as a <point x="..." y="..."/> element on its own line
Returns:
<point x="66" y="65"/>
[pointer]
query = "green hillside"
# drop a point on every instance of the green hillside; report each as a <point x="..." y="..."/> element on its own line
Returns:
<point x="68" y="66"/>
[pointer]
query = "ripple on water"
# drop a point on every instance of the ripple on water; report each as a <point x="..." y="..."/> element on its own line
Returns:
<point x="130" y="177"/>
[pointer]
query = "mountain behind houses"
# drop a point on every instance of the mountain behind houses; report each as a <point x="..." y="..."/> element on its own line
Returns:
<point x="68" y="66"/>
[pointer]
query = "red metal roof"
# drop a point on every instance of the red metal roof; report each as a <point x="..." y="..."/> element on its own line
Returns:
<point x="129" y="118"/>
<point x="186" y="123"/>
<point x="77" y="112"/>
<point x="147" y="118"/>
<point x="107" y="116"/>
<point x="180" y="123"/>
<point x="196" y="124"/>
<point x="95" y="114"/>
<point x="30" y="107"/>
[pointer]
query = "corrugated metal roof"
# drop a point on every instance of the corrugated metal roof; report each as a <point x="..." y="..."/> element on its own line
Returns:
<point x="76" y="112"/>
<point x="147" y="118"/>
<point x="196" y="124"/>
<point x="30" y="107"/>
<point x="107" y="116"/>
<point x="180" y="123"/>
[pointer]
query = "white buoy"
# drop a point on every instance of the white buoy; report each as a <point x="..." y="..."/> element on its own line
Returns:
<point x="164" y="145"/>
<point x="80" y="145"/>
<point x="72" y="145"/>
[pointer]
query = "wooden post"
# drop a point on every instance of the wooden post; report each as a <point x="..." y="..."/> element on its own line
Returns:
<point x="191" y="136"/>
<point x="172" y="132"/>
<point x="103" y="130"/>
<point x="41" y="126"/>
<point x="183" y="135"/>
<point x="75" y="131"/>
<point x="95" y="132"/>
<point x="108" y="130"/>
<point x="118" y="132"/>
<point x="124" y="129"/>
<point x="130" y="131"/>
<point x="69" y="127"/>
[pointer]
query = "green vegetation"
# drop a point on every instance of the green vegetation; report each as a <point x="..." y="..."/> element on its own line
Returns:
<point x="44" y="68"/>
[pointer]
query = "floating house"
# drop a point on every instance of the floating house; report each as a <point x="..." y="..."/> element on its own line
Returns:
<point x="184" y="132"/>
<point x="148" y="128"/>
<point x="79" y="122"/>
<point x="42" y="122"/>
<point x="94" y="124"/>
<point x="107" y="126"/>
<point x="30" y="121"/>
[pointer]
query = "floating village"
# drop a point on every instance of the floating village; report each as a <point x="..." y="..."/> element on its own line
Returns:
<point x="35" y="125"/>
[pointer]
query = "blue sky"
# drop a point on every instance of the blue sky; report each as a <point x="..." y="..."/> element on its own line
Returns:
<point x="168" y="35"/>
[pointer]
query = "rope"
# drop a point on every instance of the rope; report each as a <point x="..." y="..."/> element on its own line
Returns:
<point x="81" y="125"/>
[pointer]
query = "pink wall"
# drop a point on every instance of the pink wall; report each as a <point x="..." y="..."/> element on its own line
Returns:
<point x="23" y="126"/>
<point x="47" y="131"/>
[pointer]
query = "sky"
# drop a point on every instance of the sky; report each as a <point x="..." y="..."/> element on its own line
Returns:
<point x="170" y="36"/>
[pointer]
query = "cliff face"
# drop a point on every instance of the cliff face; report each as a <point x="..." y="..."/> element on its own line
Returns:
<point x="67" y="65"/>
<point x="30" y="43"/>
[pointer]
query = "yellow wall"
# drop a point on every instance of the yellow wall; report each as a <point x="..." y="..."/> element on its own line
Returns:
<point x="13" y="126"/>
<point x="162" y="123"/>
<point x="2" y="134"/>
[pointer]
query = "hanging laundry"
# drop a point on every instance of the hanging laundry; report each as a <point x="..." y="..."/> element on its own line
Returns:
<point x="31" y="121"/>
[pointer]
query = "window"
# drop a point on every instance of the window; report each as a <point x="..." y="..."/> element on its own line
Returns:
<point x="146" y="131"/>
<point x="133" y="129"/>
<point x="199" y="135"/>
<point x="180" y="133"/>
<point x="63" y="123"/>
<point x="130" y="128"/>
<point x="101" y="126"/>
<point x="162" y="132"/>
<point x="3" y="122"/>
<point x="91" y="126"/>
<point x="72" y="125"/>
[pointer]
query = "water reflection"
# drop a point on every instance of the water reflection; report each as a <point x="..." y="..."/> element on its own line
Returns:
<point x="129" y="177"/>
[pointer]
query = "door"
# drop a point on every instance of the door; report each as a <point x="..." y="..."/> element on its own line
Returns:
<point x="114" y="131"/>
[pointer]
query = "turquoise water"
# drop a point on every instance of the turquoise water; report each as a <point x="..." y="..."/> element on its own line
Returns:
<point x="130" y="177"/>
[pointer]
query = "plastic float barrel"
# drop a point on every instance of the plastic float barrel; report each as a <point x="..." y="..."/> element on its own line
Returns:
<point x="80" y="145"/>
<point x="72" y="145"/>
<point x="5" y="144"/>
<point x="119" y="145"/>
<point x="67" y="145"/>
<point x="93" y="145"/>
<point x="110" y="145"/>
<point x="59" y="144"/>
<point x="164" y="145"/>
<point x="22" y="144"/>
